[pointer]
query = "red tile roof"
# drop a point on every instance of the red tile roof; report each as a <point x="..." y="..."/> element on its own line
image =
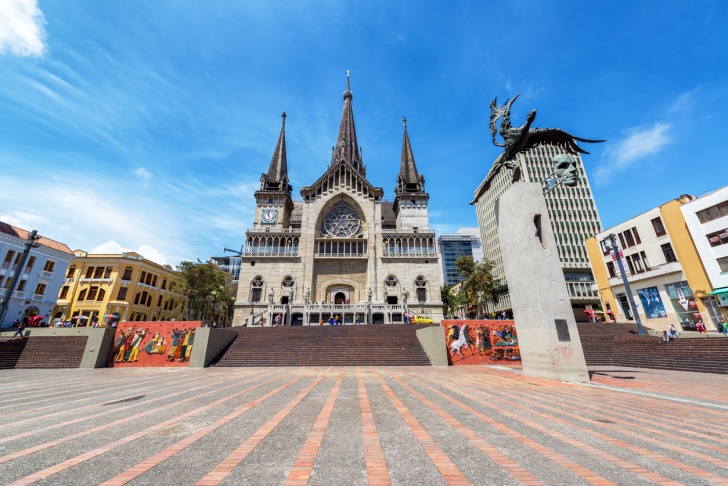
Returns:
<point x="23" y="234"/>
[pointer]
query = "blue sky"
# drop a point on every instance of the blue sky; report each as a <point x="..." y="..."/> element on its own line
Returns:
<point x="146" y="125"/>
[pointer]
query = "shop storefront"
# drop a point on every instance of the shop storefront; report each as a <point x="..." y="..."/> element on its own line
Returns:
<point x="684" y="304"/>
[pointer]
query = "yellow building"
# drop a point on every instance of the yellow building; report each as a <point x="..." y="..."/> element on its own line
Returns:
<point x="666" y="275"/>
<point x="124" y="285"/>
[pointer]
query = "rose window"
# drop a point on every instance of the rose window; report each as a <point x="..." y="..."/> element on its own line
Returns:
<point x="258" y="282"/>
<point x="288" y="281"/>
<point x="420" y="281"/>
<point x="391" y="281"/>
<point x="341" y="222"/>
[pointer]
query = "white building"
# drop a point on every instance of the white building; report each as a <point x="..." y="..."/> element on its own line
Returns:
<point x="342" y="249"/>
<point x="707" y="221"/>
<point x="664" y="270"/>
<point x="37" y="290"/>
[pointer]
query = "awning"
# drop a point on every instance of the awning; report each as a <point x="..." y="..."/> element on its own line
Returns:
<point x="723" y="290"/>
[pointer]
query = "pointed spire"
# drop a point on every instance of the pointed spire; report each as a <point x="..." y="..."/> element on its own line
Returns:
<point x="407" y="167"/>
<point x="277" y="176"/>
<point x="347" y="148"/>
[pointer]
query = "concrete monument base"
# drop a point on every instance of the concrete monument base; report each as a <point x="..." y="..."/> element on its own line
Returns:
<point x="547" y="333"/>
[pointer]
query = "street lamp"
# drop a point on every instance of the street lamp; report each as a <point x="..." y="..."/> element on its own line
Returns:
<point x="612" y="246"/>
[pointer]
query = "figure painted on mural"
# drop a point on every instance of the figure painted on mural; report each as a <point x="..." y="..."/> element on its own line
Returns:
<point x="175" y="342"/>
<point x="460" y="343"/>
<point x="453" y="333"/>
<point x="135" y="343"/>
<point x="156" y="345"/>
<point x="119" y="345"/>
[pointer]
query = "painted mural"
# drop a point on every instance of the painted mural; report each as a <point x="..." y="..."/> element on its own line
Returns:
<point x="155" y="343"/>
<point x="478" y="342"/>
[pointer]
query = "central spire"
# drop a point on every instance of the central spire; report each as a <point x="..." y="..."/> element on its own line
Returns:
<point x="347" y="148"/>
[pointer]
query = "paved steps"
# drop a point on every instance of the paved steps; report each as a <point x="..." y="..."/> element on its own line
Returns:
<point x="42" y="352"/>
<point x="10" y="352"/>
<point x="364" y="345"/>
<point x="613" y="345"/>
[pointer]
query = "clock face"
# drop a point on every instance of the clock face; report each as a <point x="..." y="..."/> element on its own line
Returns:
<point x="269" y="216"/>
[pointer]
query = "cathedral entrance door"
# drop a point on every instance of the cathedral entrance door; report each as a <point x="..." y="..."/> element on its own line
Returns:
<point x="339" y="298"/>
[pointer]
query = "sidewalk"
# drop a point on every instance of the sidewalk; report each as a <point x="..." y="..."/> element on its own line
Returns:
<point x="336" y="426"/>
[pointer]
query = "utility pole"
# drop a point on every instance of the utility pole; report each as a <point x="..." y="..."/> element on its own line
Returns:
<point x="615" y="251"/>
<point x="30" y="243"/>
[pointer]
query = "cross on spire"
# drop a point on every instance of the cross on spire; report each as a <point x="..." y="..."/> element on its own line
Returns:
<point x="348" y="73"/>
<point x="404" y="121"/>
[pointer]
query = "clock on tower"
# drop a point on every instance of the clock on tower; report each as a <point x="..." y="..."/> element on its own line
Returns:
<point x="269" y="216"/>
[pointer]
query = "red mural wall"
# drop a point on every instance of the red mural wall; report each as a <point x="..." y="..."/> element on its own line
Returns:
<point x="478" y="342"/>
<point x="153" y="343"/>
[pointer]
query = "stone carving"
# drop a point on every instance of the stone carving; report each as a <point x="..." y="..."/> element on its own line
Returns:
<point x="405" y="295"/>
<point x="369" y="295"/>
<point x="271" y="294"/>
<point x="565" y="170"/>
<point x="523" y="138"/>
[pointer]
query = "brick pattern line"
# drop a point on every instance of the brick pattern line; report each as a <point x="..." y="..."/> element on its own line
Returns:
<point x="114" y="411"/>
<point x="303" y="465"/>
<point x="654" y="427"/>
<point x="125" y="440"/>
<point x="152" y="461"/>
<point x="603" y="455"/>
<point x="377" y="472"/>
<point x="227" y="465"/>
<point x="450" y="472"/>
<point x="501" y="460"/>
<point x="71" y="392"/>
<point x="154" y="428"/>
<point x="627" y="430"/>
<point x="636" y="450"/>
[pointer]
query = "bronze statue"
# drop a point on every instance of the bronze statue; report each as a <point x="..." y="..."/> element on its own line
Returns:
<point x="521" y="139"/>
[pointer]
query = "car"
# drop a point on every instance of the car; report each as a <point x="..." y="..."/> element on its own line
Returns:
<point x="422" y="320"/>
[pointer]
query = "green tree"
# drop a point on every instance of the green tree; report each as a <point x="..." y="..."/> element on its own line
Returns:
<point x="479" y="287"/>
<point x="450" y="300"/>
<point x="209" y="292"/>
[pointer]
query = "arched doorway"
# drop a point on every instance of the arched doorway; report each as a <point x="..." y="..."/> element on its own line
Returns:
<point x="340" y="298"/>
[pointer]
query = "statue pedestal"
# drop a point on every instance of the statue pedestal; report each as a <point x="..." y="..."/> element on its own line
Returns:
<point x="547" y="333"/>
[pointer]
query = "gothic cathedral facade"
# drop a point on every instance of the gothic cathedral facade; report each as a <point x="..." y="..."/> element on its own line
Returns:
<point x="341" y="251"/>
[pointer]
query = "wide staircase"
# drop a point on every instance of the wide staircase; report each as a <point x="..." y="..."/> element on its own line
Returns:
<point x="614" y="345"/>
<point x="364" y="345"/>
<point x="42" y="352"/>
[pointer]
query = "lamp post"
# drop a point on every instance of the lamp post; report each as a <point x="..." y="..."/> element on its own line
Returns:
<point x="612" y="246"/>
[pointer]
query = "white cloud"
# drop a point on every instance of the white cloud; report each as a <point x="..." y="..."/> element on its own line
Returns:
<point x="639" y="145"/>
<point x="147" y="251"/>
<point x="144" y="175"/>
<point x="22" y="30"/>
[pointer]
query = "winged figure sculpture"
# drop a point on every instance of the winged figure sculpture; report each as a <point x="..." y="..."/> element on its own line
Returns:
<point x="520" y="139"/>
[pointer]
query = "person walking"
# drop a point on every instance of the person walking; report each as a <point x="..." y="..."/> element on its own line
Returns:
<point x="19" y="330"/>
<point x="724" y="328"/>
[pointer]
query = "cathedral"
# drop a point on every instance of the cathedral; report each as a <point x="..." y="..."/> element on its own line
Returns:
<point x="341" y="251"/>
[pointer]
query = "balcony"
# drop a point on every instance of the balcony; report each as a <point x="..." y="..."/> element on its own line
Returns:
<point x="40" y="297"/>
<point x="664" y="269"/>
<point x="402" y="254"/>
<point x="19" y="294"/>
<point x="408" y="233"/>
<point x="46" y="274"/>
<point x="267" y="231"/>
<point x="96" y="280"/>
<point x="341" y="255"/>
<point x="271" y="254"/>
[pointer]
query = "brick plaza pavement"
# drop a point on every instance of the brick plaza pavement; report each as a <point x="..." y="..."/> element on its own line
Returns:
<point x="358" y="426"/>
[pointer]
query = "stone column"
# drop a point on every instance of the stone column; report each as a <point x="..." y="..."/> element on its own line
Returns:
<point x="545" y="325"/>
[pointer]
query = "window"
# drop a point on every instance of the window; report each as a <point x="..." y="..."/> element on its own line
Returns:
<point x="82" y="295"/>
<point x="621" y="240"/>
<point x="64" y="292"/>
<point x="8" y="258"/>
<point x="723" y="264"/>
<point x="164" y="284"/>
<point x="255" y="295"/>
<point x="644" y="260"/>
<point x="31" y="262"/>
<point x="102" y="294"/>
<point x="21" y="286"/>
<point x="636" y="236"/>
<point x="89" y="272"/>
<point x="154" y="281"/>
<point x="159" y="302"/>
<point x="71" y="271"/>
<point x="92" y="293"/>
<point x="107" y="272"/>
<point x="631" y="266"/>
<point x="136" y="299"/>
<point x="630" y="239"/>
<point x="7" y="282"/>
<point x="99" y="272"/>
<point x="668" y="252"/>
<point x="122" y="294"/>
<point x="421" y="295"/>
<point x="149" y="279"/>
<point x="127" y="273"/>
<point x="144" y="275"/>
<point x="637" y="261"/>
<point x="611" y="270"/>
<point x="604" y="245"/>
<point x="49" y="266"/>
<point x="659" y="227"/>
<point x="40" y="289"/>
<point x="713" y="212"/>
